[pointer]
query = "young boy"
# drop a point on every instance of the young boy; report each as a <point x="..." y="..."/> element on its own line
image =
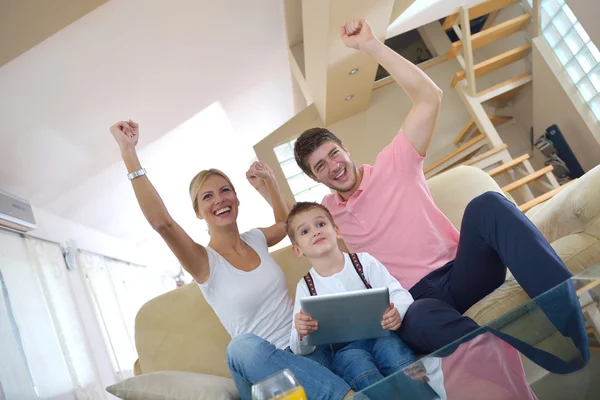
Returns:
<point x="363" y="362"/>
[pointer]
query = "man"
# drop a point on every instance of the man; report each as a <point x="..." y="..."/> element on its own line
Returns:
<point x="386" y="209"/>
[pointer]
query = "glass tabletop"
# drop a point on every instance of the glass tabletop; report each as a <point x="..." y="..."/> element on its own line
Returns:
<point x="483" y="365"/>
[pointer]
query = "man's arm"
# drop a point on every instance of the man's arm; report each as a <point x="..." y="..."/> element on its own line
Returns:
<point x="419" y="125"/>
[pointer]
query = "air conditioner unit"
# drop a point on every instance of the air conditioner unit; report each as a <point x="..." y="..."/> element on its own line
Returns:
<point x="16" y="213"/>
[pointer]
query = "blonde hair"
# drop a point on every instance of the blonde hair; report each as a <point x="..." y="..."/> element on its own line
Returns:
<point x="199" y="179"/>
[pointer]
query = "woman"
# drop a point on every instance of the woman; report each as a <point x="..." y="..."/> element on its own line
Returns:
<point x="237" y="275"/>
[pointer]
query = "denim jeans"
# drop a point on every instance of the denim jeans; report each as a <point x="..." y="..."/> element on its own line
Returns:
<point x="251" y="359"/>
<point x="364" y="362"/>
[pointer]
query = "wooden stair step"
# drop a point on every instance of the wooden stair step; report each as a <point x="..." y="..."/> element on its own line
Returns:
<point x="485" y="155"/>
<point x="455" y="153"/>
<point x="479" y="10"/>
<point x="509" y="165"/>
<point x="490" y="20"/>
<point x="492" y="34"/>
<point x="504" y="87"/>
<point x="496" y="120"/>
<point x="495" y="63"/>
<point x="529" y="178"/>
<point x="464" y="131"/>
<point x="546" y="196"/>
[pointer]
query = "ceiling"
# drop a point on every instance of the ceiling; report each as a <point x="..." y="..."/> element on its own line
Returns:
<point x="205" y="80"/>
<point x="25" y="23"/>
<point x="422" y="12"/>
<point x="198" y="75"/>
<point x="313" y="33"/>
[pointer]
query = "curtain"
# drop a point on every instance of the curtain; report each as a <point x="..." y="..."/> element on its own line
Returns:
<point x="67" y="319"/>
<point x="66" y="334"/>
<point x="119" y="289"/>
<point x="33" y="363"/>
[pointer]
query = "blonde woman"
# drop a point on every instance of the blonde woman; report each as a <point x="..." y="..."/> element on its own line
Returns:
<point x="235" y="272"/>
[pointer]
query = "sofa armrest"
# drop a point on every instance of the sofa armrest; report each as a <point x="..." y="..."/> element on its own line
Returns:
<point x="575" y="209"/>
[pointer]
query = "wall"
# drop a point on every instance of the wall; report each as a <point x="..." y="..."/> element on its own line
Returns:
<point x="366" y="133"/>
<point x="54" y="228"/>
<point x="587" y="12"/>
<point x="556" y="101"/>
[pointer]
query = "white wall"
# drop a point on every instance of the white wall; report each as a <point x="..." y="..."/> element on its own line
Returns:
<point x="57" y="229"/>
<point x="557" y="101"/>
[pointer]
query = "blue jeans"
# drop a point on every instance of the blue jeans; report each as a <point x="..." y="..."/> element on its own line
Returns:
<point x="251" y="359"/>
<point x="364" y="362"/>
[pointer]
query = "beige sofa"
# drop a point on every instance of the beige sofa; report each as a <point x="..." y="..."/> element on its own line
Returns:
<point x="179" y="331"/>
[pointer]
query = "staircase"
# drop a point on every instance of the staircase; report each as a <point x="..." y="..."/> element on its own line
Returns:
<point x="479" y="143"/>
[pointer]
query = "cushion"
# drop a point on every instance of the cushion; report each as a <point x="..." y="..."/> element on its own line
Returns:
<point x="179" y="331"/>
<point x="454" y="189"/>
<point x="502" y="300"/>
<point x="175" y="385"/>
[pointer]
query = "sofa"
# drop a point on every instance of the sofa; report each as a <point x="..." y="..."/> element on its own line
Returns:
<point x="178" y="331"/>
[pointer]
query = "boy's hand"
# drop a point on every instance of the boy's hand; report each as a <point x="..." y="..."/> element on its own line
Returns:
<point x="391" y="319"/>
<point x="304" y="324"/>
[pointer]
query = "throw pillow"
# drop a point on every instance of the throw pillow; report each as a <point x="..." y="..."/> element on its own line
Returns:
<point x="176" y="385"/>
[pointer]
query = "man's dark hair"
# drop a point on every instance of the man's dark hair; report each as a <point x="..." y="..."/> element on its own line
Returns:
<point x="299" y="208"/>
<point x="308" y="142"/>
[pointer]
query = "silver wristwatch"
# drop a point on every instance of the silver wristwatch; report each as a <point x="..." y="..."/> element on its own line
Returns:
<point x="135" y="174"/>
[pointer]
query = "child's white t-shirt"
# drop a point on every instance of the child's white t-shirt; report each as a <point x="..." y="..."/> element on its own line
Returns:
<point x="250" y="302"/>
<point x="348" y="280"/>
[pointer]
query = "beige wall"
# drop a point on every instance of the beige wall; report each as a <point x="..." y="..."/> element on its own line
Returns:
<point x="587" y="12"/>
<point x="556" y="101"/>
<point x="366" y="133"/>
<point x="25" y="23"/>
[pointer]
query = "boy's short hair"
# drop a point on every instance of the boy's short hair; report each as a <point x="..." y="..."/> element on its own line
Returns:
<point x="300" y="207"/>
<point x="308" y="142"/>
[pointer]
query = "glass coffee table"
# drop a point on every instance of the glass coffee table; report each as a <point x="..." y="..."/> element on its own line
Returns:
<point x="483" y="366"/>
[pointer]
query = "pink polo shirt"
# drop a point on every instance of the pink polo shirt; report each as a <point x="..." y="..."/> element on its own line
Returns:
<point x="393" y="217"/>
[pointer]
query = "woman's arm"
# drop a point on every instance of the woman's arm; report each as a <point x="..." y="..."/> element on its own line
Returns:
<point x="192" y="256"/>
<point x="261" y="176"/>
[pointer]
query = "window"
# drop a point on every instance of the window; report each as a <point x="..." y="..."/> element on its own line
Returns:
<point x="303" y="188"/>
<point x="574" y="49"/>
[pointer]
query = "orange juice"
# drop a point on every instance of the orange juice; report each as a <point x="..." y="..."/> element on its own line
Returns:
<point x="294" y="394"/>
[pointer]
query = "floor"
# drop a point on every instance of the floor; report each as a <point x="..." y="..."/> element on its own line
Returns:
<point x="582" y="385"/>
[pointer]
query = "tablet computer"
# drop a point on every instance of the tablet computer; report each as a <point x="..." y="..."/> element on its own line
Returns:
<point x="346" y="317"/>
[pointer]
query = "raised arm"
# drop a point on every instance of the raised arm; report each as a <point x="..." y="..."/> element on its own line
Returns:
<point x="261" y="176"/>
<point x="193" y="257"/>
<point x="420" y="122"/>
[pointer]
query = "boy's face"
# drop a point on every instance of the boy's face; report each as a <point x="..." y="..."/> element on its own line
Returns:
<point x="315" y="235"/>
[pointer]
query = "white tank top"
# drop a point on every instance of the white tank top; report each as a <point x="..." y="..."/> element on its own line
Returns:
<point x="250" y="302"/>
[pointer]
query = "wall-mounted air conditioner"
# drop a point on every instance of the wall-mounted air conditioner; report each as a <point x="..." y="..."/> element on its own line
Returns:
<point x="16" y="213"/>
